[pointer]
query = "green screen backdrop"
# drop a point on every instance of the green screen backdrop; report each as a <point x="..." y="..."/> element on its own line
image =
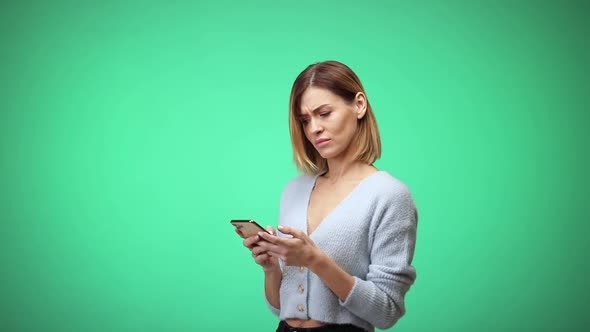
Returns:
<point x="131" y="132"/>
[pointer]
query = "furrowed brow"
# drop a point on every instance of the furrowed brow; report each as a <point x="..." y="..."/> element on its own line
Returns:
<point x="319" y="108"/>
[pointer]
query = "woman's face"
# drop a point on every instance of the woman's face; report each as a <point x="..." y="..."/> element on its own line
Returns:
<point x="329" y="122"/>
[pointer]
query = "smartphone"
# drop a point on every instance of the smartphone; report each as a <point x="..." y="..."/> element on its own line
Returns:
<point x="248" y="227"/>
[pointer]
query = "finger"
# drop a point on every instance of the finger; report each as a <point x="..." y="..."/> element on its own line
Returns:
<point x="257" y="250"/>
<point x="240" y="233"/>
<point x="261" y="259"/>
<point x="271" y="230"/>
<point x="296" y="233"/>
<point x="268" y="246"/>
<point x="271" y="238"/>
<point x="275" y="254"/>
<point x="251" y="241"/>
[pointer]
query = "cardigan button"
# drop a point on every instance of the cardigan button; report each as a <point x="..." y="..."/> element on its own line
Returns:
<point x="301" y="308"/>
<point x="301" y="289"/>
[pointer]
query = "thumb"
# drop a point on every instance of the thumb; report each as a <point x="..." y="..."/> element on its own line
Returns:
<point x="271" y="230"/>
<point x="291" y="231"/>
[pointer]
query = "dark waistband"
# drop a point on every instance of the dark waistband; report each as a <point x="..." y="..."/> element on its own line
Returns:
<point x="284" y="327"/>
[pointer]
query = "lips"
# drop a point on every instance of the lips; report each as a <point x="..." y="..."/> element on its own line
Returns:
<point x="321" y="141"/>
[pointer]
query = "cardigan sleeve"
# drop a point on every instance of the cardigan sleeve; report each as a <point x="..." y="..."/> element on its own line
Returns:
<point x="275" y="311"/>
<point x="380" y="298"/>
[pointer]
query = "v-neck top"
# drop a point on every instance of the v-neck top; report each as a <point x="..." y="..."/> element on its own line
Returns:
<point x="370" y="234"/>
<point x="305" y="227"/>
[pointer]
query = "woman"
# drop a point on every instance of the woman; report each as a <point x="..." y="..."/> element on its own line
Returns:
<point x="347" y="231"/>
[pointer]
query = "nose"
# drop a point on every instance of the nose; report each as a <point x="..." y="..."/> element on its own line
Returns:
<point x="315" y="127"/>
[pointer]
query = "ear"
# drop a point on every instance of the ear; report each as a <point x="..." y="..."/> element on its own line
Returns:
<point x="360" y="103"/>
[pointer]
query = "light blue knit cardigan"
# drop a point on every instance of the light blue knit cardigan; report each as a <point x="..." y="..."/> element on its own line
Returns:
<point x="371" y="234"/>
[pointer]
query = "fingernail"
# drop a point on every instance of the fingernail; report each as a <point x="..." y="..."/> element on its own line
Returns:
<point x="280" y="227"/>
<point x="260" y="234"/>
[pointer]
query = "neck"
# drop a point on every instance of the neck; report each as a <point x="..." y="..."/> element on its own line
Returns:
<point x="339" y="169"/>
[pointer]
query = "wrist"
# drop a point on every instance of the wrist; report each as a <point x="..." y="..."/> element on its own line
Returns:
<point x="316" y="260"/>
<point x="272" y="271"/>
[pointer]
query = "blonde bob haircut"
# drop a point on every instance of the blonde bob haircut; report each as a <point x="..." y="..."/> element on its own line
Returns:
<point x="343" y="82"/>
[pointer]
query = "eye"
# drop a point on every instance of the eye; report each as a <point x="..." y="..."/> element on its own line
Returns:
<point x="304" y="121"/>
<point x="324" y="114"/>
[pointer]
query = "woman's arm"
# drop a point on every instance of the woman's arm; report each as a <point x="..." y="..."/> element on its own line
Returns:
<point x="338" y="280"/>
<point x="272" y="285"/>
<point x="303" y="252"/>
<point x="273" y="275"/>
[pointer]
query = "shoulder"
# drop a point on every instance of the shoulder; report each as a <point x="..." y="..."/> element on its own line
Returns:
<point x="390" y="195"/>
<point x="299" y="182"/>
<point x="297" y="185"/>
<point x="386" y="186"/>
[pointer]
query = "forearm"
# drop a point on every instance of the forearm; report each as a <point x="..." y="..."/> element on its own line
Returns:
<point x="272" y="285"/>
<point x="365" y="299"/>
<point x="333" y="276"/>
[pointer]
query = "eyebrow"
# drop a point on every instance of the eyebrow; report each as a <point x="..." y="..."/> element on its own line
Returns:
<point x="316" y="109"/>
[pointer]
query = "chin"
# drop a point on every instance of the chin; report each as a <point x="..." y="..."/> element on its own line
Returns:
<point x="328" y="154"/>
<point x="324" y="155"/>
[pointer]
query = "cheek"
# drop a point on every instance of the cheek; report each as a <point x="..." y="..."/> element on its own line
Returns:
<point x="305" y="132"/>
<point x="349" y="129"/>
<point x="346" y="125"/>
<point x="308" y="135"/>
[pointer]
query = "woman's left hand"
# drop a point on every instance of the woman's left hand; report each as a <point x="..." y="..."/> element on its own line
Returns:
<point x="296" y="251"/>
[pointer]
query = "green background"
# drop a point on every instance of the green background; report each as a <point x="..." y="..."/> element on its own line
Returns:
<point x="132" y="132"/>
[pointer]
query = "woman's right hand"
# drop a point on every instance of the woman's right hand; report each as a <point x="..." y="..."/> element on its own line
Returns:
<point x="261" y="257"/>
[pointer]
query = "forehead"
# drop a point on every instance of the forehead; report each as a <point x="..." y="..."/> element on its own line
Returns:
<point x="313" y="97"/>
